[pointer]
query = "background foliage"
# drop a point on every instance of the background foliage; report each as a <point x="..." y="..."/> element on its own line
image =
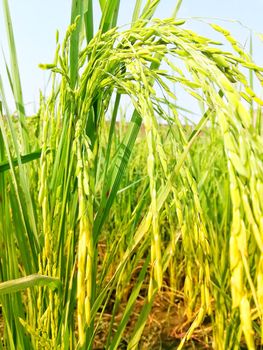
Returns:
<point x="116" y="215"/>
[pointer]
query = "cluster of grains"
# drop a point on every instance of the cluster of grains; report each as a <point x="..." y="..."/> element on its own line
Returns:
<point x="85" y="245"/>
<point x="129" y="63"/>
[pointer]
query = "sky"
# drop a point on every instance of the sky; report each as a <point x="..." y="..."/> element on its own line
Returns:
<point x="35" y="23"/>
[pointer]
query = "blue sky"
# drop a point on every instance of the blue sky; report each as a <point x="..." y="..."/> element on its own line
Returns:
<point x="35" y="23"/>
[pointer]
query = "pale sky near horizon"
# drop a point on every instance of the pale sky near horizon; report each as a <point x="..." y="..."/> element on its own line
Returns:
<point x="35" y="23"/>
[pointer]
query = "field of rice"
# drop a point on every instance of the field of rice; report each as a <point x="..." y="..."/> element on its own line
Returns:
<point x="133" y="228"/>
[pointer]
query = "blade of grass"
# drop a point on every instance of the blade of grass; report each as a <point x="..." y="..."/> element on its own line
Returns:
<point x="22" y="283"/>
<point x="16" y="81"/>
<point x="24" y="159"/>
<point x="177" y="8"/>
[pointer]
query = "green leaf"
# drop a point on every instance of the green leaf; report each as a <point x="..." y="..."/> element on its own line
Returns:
<point x="109" y="15"/>
<point x="122" y="161"/>
<point x="34" y="280"/>
<point x="130" y="305"/>
<point x="16" y="81"/>
<point x="4" y="166"/>
<point x="76" y="10"/>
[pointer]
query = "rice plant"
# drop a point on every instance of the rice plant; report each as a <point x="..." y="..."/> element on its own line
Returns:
<point x="105" y="217"/>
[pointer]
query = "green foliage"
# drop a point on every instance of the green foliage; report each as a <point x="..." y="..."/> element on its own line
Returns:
<point x="115" y="211"/>
<point x="26" y="282"/>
